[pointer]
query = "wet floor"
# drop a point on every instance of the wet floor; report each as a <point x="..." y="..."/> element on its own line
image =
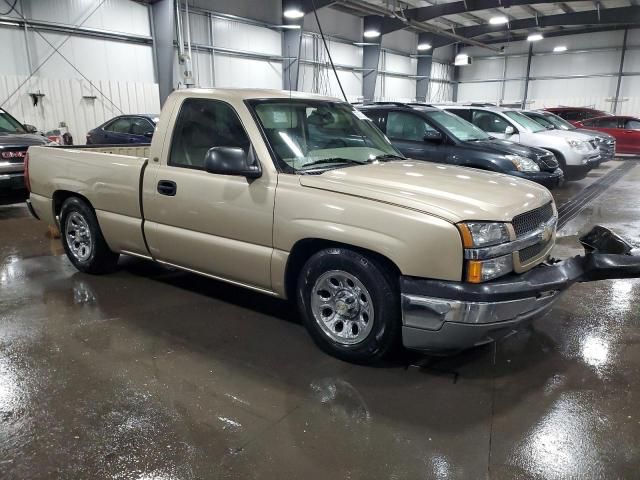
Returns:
<point x="152" y="373"/>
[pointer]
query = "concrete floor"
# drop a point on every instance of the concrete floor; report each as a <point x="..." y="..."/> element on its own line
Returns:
<point x="156" y="374"/>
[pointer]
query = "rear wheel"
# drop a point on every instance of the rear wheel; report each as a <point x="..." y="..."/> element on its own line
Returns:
<point x="350" y="305"/>
<point x="82" y="238"/>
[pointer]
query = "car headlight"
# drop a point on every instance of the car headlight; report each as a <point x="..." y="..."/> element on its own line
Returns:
<point x="483" y="234"/>
<point x="523" y="164"/>
<point x="578" y="145"/>
<point x="479" y="235"/>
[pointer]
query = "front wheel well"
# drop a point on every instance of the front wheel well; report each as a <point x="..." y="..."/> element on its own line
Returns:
<point x="305" y="249"/>
<point x="559" y="157"/>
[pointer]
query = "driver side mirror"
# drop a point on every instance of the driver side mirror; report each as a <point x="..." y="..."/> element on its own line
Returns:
<point x="232" y="161"/>
<point x="30" y="128"/>
<point x="509" y="130"/>
<point x="148" y="134"/>
<point x="550" y="127"/>
<point x="433" y="136"/>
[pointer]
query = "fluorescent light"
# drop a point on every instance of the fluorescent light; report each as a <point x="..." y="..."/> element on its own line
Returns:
<point x="560" y="48"/>
<point x="371" y="33"/>
<point x="12" y="24"/>
<point x="365" y="44"/>
<point x="424" y="46"/>
<point x="534" y="37"/>
<point x="501" y="20"/>
<point x="293" y="13"/>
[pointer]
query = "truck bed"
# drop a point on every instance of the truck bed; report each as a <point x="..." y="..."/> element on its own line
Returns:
<point x="108" y="176"/>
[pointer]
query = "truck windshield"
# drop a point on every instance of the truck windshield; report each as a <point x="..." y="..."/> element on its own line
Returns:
<point x="8" y="124"/>
<point x="524" y="121"/>
<point x="311" y="135"/>
<point x="457" y="127"/>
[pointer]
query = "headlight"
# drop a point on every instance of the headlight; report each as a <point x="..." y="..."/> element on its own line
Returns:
<point x="578" y="145"/>
<point x="483" y="234"/>
<point x="523" y="164"/>
<point x="482" y="270"/>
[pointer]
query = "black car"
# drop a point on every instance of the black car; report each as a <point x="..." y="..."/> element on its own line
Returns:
<point x="427" y="133"/>
<point x="15" y="139"/>
<point x="124" y="129"/>
<point x="606" y="142"/>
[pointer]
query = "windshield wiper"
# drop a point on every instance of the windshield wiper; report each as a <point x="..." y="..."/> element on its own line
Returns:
<point x="331" y="160"/>
<point x="387" y="156"/>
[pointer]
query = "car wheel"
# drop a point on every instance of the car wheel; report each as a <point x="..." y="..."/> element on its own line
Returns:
<point x="350" y="305"/>
<point x="82" y="238"/>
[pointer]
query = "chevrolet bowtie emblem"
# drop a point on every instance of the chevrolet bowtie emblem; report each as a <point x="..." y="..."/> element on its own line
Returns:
<point x="546" y="232"/>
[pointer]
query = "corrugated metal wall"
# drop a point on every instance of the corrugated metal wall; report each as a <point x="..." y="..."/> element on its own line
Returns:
<point x="123" y="72"/>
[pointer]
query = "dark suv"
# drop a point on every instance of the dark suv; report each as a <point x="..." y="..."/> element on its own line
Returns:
<point x="427" y="133"/>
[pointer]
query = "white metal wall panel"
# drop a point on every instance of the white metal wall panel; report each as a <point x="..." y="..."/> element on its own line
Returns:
<point x="516" y="67"/>
<point x="401" y="40"/>
<point x="343" y="54"/>
<point x="64" y="102"/>
<point x="513" y="91"/>
<point x="400" y="64"/>
<point x="399" y="89"/>
<point x="482" y="70"/>
<point x="231" y="71"/>
<point x="335" y="23"/>
<point x="12" y="52"/>
<point x="242" y="36"/>
<point x="327" y="84"/>
<point x="116" y="15"/>
<point x="580" y="92"/>
<point x="95" y="58"/>
<point x="479" y="92"/>
<point x="630" y="96"/>
<point x="575" y="64"/>
<point x="200" y="30"/>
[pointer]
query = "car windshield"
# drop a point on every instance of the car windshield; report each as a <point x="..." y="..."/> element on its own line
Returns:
<point x="557" y="121"/>
<point x="311" y="135"/>
<point x="524" y="121"/>
<point x="456" y="126"/>
<point x="8" y="124"/>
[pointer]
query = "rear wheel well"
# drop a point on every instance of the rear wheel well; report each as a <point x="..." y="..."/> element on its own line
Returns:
<point x="305" y="249"/>
<point x="61" y="195"/>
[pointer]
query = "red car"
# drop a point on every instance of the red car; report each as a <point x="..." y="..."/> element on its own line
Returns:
<point x="576" y="114"/>
<point x="625" y="129"/>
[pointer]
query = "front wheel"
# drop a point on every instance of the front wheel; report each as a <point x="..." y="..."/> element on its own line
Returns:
<point x="350" y="305"/>
<point x="82" y="238"/>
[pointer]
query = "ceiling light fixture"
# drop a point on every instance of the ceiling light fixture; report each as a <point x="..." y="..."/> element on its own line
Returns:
<point x="560" y="48"/>
<point x="293" y="13"/>
<point x="534" y="37"/>
<point x="424" y="46"/>
<point x="501" y="20"/>
<point x="371" y="33"/>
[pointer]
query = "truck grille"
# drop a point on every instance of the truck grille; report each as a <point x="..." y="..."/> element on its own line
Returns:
<point x="532" y="251"/>
<point x="529" y="221"/>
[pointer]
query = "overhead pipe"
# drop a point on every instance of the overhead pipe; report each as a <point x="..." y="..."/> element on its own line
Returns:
<point x="184" y="59"/>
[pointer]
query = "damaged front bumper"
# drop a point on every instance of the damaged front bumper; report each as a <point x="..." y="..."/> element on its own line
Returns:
<point x="441" y="316"/>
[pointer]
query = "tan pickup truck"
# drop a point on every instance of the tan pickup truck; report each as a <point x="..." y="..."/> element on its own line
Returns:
<point x="301" y="197"/>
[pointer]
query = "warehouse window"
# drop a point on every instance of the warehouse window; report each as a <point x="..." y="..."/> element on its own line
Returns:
<point x="203" y="124"/>
<point x="406" y="126"/>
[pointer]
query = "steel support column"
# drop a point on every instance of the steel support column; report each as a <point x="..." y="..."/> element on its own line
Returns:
<point x="163" y="18"/>
<point x="424" y="69"/>
<point x="616" y="101"/>
<point x="291" y="42"/>
<point x="527" y="76"/>
<point x="371" y="58"/>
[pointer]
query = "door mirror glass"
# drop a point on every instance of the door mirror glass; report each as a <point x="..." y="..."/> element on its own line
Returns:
<point x="433" y="136"/>
<point x="30" y="128"/>
<point x="232" y="161"/>
<point x="509" y="130"/>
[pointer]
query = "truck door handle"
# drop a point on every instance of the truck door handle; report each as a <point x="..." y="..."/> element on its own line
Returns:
<point x="167" y="187"/>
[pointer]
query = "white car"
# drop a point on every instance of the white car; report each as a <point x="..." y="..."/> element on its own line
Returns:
<point x="576" y="154"/>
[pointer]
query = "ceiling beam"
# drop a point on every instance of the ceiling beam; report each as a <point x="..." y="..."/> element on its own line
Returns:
<point x="423" y="14"/>
<point x="474" y="18"/>
<point x="566" y="8"/>
<point x="559" y="33"/>
<point x="611" y="16"/>
<point x="531" y="11"/>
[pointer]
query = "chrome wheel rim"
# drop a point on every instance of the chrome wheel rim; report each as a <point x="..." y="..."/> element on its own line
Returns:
<point x="78" y="236"/>
<point x="342" y="307"/>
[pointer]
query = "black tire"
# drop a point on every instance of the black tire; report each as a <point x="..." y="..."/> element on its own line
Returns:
<point x="385" y="330"/>
<point x="99" y="258"/>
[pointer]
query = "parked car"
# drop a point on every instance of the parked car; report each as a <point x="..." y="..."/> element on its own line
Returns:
<point x="124" y="129"/>
<point x="300" y="197"/>
<point x="625" y="129"/>
<point x="15" y="139"/>
<point x="575" y="155"/>
<point x="606" y="142"/>
<point x="428" y="133"/>
<point x="576" y="114"/>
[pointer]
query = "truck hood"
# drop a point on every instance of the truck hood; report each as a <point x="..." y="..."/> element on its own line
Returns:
<point x="21" y="140"/>
<point x="452" y="193"/>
